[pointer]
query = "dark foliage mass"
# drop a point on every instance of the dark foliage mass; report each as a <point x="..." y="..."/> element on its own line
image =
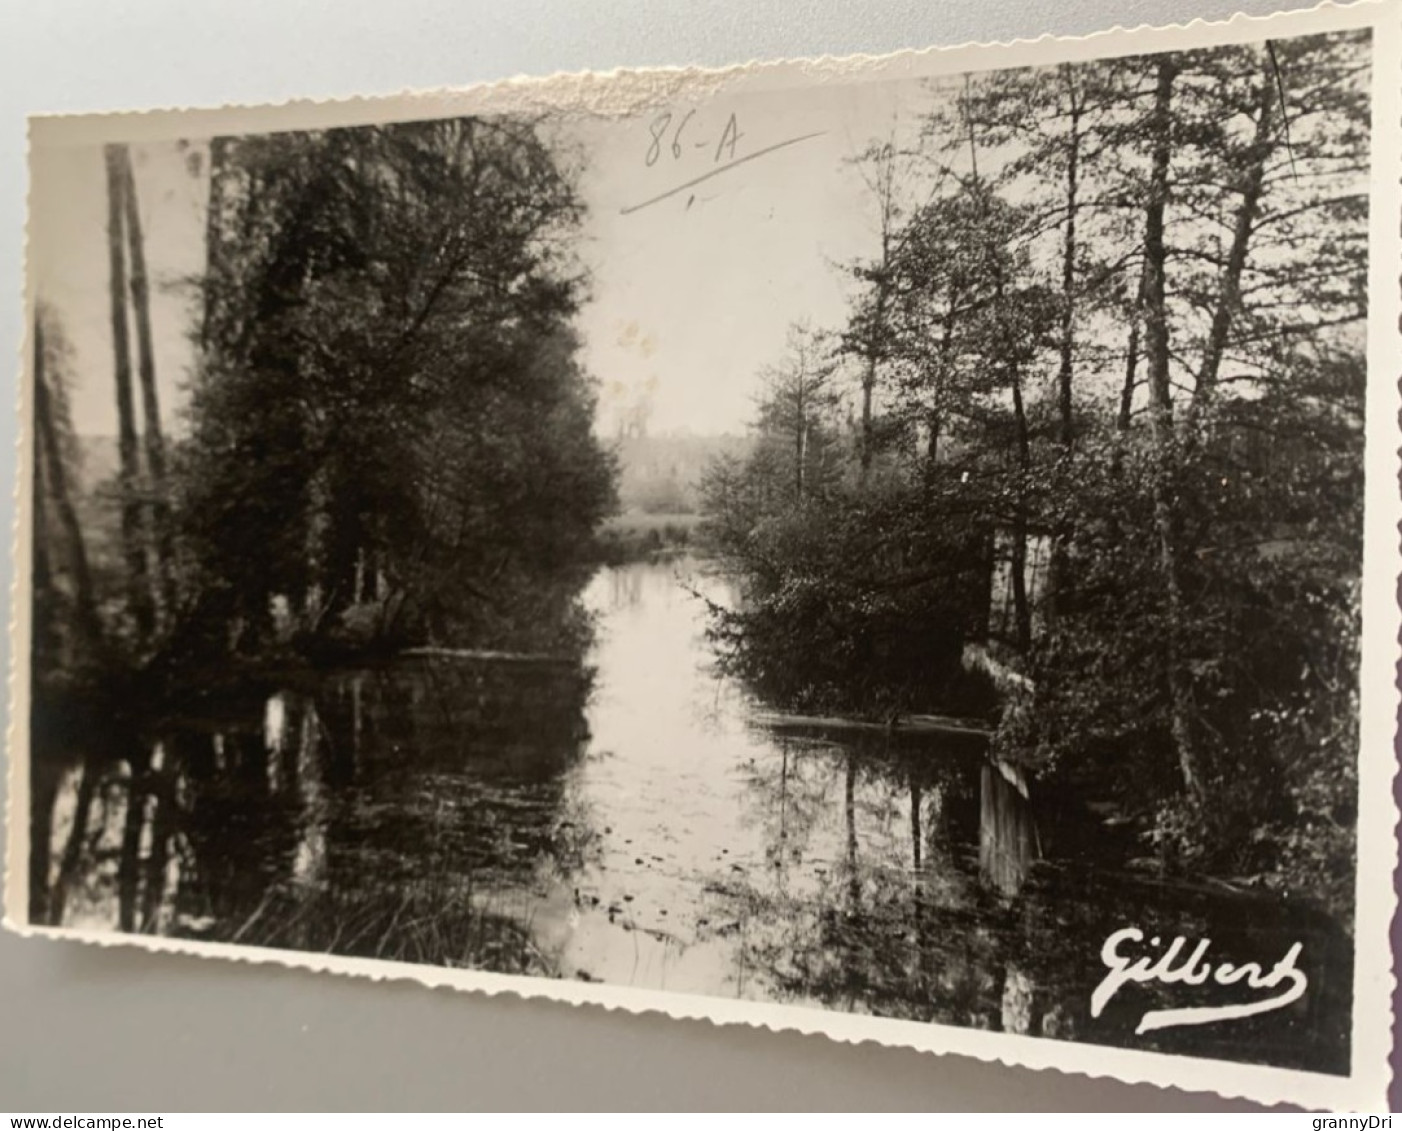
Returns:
<point x="391" y="412"/>
<point x="389" y="437"/>
<point x="1094" y="429"/>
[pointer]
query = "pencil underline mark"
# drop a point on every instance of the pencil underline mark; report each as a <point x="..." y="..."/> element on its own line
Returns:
<point x="717" y="172"/>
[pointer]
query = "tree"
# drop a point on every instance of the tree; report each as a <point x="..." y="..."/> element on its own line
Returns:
<point x="65" y="595"/>
<point x="796" y="410"/>
<point x="146" y="372"/>
<point x="133" y="526"/>
<point x="870" y="333"/>
<point x="1125" y="325"/>
<point x="386" y="336"/>
<point x="1161" y="421"/>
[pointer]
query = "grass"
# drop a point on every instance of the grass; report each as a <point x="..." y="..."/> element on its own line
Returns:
<point x="432" y="922"/>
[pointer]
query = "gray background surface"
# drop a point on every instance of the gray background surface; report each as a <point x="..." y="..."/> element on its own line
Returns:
<point x="98" y="1029"/>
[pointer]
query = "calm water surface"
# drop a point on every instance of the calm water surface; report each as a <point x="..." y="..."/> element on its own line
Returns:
<point x="639" y="821"/>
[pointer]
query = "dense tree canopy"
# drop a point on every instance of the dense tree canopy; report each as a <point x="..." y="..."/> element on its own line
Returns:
<point x="389" y="437"/>
<point x="1109" y="354"/>
<point x="390" y="422"/>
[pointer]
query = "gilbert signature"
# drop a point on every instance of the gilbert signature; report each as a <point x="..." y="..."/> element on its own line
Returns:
<point x="1177" y="965"/>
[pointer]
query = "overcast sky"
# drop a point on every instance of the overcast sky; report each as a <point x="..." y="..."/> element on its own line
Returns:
<point x="691" y="296"/>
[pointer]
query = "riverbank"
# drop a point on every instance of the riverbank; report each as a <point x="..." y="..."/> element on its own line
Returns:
<point x="661" y="829"/>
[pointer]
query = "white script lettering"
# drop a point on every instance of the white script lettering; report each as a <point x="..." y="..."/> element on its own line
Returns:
<point x="1172" y="968"/>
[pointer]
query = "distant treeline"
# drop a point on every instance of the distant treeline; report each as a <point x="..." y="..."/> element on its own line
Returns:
<point x="1094" y="424"/>
<point x="661" y="474"/>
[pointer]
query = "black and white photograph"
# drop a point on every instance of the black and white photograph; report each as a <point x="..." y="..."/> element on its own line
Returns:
<point x="886" y="551"/>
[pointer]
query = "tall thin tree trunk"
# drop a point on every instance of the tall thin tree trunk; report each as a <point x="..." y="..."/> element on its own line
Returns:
<point x="868" y="386"/>
<point x="139" y="591"/>
<point x="800" y="433"/>
<point x="1229" y="289"/>
<point x="1066" y="363"/>
<point x="933" y="426"/>
<point x="146" y="371"/>
<point x="1022" y="611"/>
<point x="935" y="416"/>
<point x="141" y="309"/>
<point x="45" y="633"/>
<point x="213" y="234"/>
<point x="885" y="188"/>
<point x="1065" y="371"/>
<point x="71" y="860"/>
<point x="55" y="476"/>
<point x="878" y="331"/>
<point x="43" y="793"/>
<point x="869" y="376"/>
<point x="798" y="460"/>
<point x="129" y="858"/>
<point x="154" y="882"/>
<point x="1161" y="420"/>
<point x="969" y="125"/>
<point x="1022" y="608"/>
<point x="1131" y="377"/>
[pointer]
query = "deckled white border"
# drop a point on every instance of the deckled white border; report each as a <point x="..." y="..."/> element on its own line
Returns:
<point x="626" y="92"/>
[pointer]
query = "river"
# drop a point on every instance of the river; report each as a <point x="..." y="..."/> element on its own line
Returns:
<point x="641" y="821"/>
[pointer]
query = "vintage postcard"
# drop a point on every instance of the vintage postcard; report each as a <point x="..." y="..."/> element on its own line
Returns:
<point x="898" y="548"/>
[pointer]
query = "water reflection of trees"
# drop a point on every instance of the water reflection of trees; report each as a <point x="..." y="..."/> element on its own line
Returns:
<point x="880" y="904"/>
<point x="902" y="886"/>
<point x="913" y="886"/>
<point x="384" y="812"/>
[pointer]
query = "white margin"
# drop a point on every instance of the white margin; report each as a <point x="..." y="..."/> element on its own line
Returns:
<point x="623" y="92"/>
